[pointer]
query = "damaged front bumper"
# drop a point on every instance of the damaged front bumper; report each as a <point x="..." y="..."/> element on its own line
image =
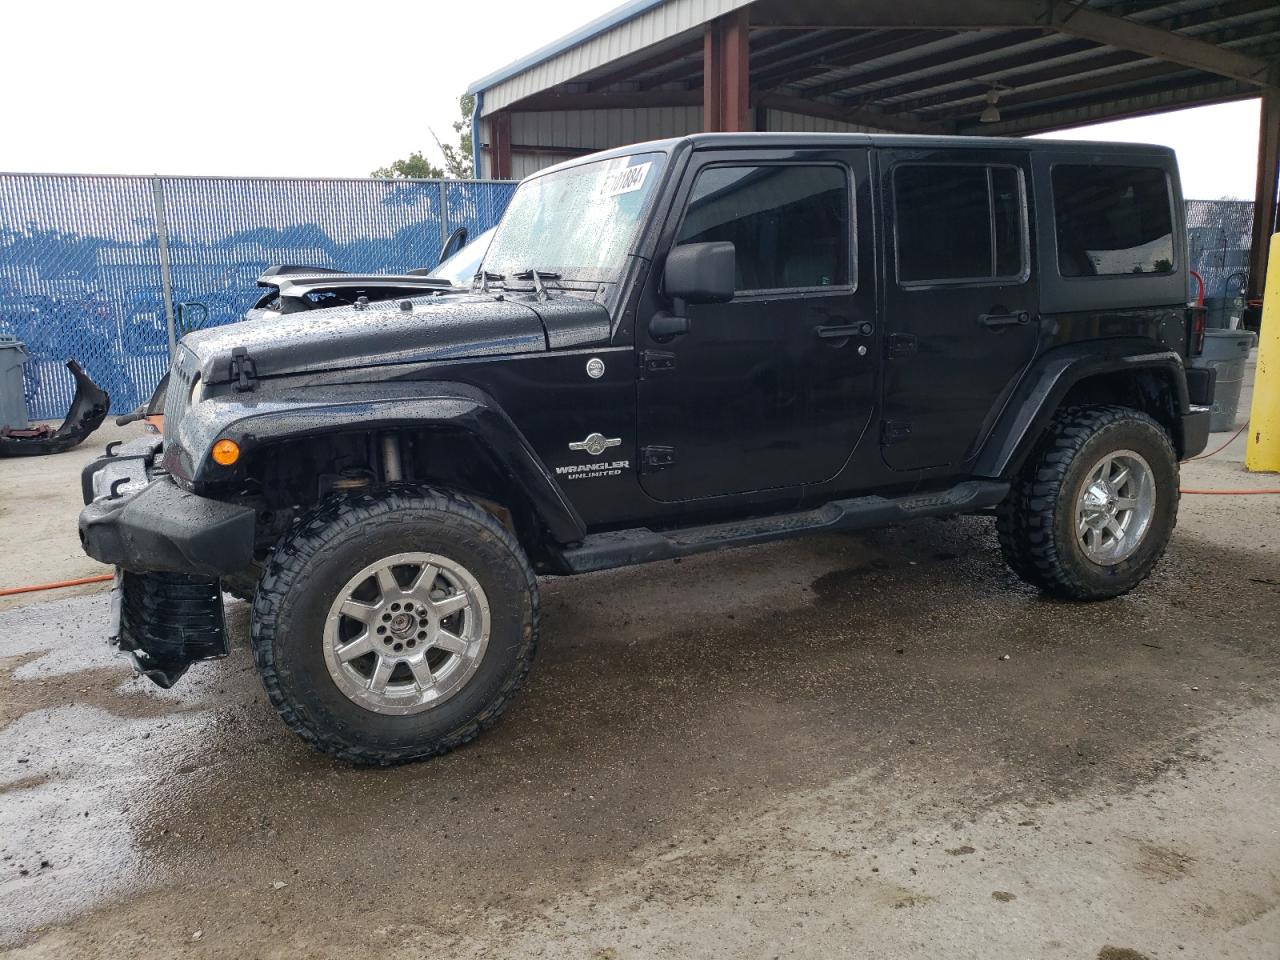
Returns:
<point x="136" y="517"/>
<point x="170" y="547"/>
<point x="88" y="410"/>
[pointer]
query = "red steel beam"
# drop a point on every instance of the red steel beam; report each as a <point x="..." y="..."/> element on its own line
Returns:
<point x="725" y="65"/>
<point x="500" y="145"/>
<point x="1268" y="182"/>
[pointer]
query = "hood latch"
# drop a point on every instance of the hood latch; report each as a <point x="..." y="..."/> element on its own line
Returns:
<point x="244" y="373"/>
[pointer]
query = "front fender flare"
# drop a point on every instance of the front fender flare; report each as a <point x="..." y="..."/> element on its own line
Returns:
<point x="1047" y="383"/>
<point x="373" y="408"/>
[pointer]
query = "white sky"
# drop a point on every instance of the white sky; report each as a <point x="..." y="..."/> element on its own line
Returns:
<point x="230" y="88"/>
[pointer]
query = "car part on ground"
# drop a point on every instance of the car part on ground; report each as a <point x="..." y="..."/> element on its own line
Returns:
<point x="88" y="409"/>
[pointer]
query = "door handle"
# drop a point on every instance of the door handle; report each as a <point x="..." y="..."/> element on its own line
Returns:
<point x="840" y="331"/>
<point x="1004" y="319"/>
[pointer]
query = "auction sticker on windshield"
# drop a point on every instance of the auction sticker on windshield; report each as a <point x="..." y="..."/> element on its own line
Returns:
<point x="620" y="180"/>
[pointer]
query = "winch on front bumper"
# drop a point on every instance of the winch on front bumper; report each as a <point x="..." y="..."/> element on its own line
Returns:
<point x="169" y="547"/>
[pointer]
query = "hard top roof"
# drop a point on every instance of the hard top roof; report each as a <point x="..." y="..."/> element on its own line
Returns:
<point x="773" y="140"/>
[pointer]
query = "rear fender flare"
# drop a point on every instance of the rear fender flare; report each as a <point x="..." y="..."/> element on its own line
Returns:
<point x="1048" y="382"/>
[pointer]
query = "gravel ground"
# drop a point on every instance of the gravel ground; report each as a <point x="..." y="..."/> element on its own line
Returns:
<point x="879" y="745"/>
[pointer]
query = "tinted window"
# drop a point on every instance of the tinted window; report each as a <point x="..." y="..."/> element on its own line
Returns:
<point x="958" y="222"/>
<point x="789" y="224"/>
<point x="1006" y="198"/>
<point x="1112" y="220"/>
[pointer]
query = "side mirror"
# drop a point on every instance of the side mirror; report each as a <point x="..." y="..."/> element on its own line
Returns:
<point x="701" y="272"/>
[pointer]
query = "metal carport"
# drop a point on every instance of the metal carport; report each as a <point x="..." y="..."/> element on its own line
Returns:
<point x="659" y="68"/>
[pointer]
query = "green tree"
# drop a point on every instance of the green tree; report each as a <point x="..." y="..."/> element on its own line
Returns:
<point x="457" y="157"/>
<point x="414" y="167"/>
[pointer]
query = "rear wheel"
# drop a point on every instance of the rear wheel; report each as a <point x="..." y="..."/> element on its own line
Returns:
<point x="396" y="627"/>
<point x="1091" y="513"/>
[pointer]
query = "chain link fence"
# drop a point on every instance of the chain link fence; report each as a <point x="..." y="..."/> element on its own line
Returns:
<point x="94" y="267"/>
<point x="1219" y="234"/>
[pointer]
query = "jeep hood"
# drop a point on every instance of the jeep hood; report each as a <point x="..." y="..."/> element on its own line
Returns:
<point x="436" y="328"/>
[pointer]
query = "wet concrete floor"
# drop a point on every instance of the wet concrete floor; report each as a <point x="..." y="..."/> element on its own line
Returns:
<point x="807" y="749"/>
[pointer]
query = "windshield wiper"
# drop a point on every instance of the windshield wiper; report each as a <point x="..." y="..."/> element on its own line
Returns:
<point x="486" y="276"/>
<point x="537" y="276"/>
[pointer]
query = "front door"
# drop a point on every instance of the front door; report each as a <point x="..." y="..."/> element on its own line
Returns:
<point x="960" y="304"/>
<point x="774" y="388"/>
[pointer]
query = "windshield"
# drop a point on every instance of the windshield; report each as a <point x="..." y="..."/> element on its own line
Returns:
<point x="579" y="222"/>
<point x="465" y="264"/>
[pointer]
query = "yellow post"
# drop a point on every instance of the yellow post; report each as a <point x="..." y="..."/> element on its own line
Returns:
<point x="1263" y="452"/>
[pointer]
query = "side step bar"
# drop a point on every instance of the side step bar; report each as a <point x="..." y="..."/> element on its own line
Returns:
<point x="621" y="548"/>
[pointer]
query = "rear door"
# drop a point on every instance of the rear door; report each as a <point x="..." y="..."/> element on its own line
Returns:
<point x="960" y="304"/>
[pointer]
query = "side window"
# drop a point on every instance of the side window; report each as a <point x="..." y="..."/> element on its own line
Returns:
<point x="1112" y="220"/>
<point x="958" y="223"/>
<point x="789" y="224"/>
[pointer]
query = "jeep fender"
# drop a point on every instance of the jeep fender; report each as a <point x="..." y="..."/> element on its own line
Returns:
<point x="1047" y="383"/>
<point x="374" y="408"/>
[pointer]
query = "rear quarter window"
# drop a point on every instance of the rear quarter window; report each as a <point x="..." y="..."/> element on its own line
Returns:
<point x="1112" y="220"/>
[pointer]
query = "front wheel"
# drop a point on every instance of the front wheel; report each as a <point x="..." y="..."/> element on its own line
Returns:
<point x="396" y="627"/>
<point x="1091" y="513"/>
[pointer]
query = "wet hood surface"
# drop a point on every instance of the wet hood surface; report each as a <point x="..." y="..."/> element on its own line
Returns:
<point x="436" y="328"/>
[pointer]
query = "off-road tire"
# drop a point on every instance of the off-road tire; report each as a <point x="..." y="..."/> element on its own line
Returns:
<point x="242" y="583"/>
<point x="313" y="561"/>
<point x="1035" y="523"/>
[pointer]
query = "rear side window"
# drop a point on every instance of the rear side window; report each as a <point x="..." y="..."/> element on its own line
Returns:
<point x="959" y="223"/>
<point x="1112" y="220"/>
<point x="789" y="224"/>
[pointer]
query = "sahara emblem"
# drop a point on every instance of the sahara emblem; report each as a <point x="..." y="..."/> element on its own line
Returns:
<point x="595" y="444"/>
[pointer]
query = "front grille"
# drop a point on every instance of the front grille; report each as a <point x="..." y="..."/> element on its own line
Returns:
<point x="182" y="376"/>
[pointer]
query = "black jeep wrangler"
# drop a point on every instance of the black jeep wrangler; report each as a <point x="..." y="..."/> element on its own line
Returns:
<point x="670" y="348"/>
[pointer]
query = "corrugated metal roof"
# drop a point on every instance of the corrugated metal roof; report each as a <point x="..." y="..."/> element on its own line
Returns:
<point x="884" y="70"/>
<point x="613" y="18"/>
<point x="628" y="29"/>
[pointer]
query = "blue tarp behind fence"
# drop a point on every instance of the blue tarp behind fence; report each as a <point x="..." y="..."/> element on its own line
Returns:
<point x="1218" y="239"/>
<point x="80" y="258"/>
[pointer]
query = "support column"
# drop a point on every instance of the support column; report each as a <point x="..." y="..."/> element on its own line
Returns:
<point x="726" y="74"/>
<point x="1264" y="201"/>
<point x="1262" y="451"/>
<point x="500" y="145"/>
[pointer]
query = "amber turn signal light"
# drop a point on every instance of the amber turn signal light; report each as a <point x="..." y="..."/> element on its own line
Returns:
<point x="226" y="452"/>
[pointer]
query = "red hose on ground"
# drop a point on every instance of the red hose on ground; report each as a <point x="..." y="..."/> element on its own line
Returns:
<point x="1205" y="456"/>
<point x="1232" y="493"/>
<point x="1226" y="493"/>
<point x="100" y="578"/>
